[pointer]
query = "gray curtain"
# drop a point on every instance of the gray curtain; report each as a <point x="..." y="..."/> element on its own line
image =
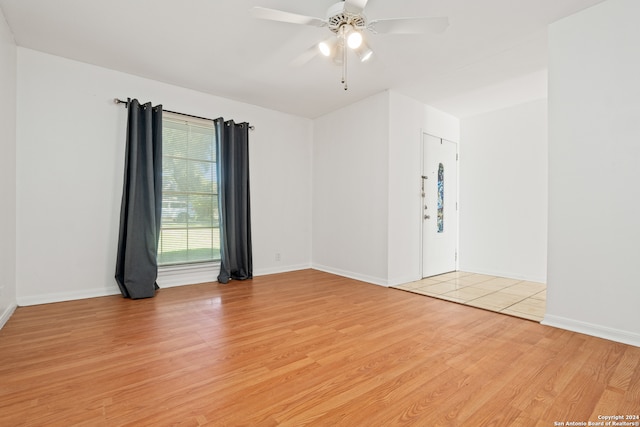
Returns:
<point x="141" y="209"/>
<point x="232" y="143"/>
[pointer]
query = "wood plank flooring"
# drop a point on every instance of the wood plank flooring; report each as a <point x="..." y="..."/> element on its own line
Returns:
<point x="302" y="348"/>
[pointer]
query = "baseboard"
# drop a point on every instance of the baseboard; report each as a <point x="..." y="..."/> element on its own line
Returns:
<point x="6" y="314"/>
<point x="168" y="277"/>
<point x="283" y="269"/>
<point x="508" y="275"/>
<point x="351" y="275"/>
<point x="599" y="331"/>
<point x="403" y="280"/>
<point x="67" y="296"/>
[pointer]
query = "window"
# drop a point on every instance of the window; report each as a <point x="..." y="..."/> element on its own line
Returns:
<point x="189" y="230"/>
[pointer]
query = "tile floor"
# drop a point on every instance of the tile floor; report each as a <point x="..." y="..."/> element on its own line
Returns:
<point x="509" y="296"/>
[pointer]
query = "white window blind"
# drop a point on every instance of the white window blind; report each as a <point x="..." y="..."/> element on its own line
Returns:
<point x="190" y="230"/>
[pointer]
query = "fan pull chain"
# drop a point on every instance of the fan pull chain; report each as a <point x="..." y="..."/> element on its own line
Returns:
<point x="344" y="57"/>
<point x="344" y="68"/>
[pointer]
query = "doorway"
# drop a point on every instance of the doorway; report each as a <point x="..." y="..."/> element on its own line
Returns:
<point x="439" y="205"/>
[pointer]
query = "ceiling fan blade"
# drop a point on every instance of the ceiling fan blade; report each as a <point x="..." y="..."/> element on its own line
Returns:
<point x="282" y="16"/>
<point x="409" y="25"/>
<point x="355" y="6"/>
<point x="305" y="56"/>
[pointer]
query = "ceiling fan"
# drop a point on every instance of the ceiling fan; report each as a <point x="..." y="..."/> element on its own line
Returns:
<point x="346" y="19"/>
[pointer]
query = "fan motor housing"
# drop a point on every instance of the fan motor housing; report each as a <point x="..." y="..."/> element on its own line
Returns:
<point x="337" y="16"/>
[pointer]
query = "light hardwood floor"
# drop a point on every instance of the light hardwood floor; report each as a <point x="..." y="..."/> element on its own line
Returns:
<point x="302" y="348"/>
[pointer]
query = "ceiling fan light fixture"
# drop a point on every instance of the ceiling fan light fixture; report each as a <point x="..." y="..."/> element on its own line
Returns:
<point x="354" y="39"/>
<point x="324" y="47"/>
<point x="338" y="54"/>
<point x="364" y="52"/>
<point x="328" y="46"/>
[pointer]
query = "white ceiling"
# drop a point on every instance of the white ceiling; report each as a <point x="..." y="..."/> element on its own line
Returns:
<point x="494" y="52"/>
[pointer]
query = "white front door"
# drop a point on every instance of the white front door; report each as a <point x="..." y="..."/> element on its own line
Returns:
<point x="439" y="207"/>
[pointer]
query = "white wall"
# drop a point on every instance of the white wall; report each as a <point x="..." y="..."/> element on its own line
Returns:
<point x="503" y="192"/>
<point x="366" y="187"/>
<point x="408" y="119"/>
<point x="350" y="185"/>
<point x="594" y="153"/>
<point x="8" y="84"/>
<point x="70" y="166"/>
<point x="441" y="124"/>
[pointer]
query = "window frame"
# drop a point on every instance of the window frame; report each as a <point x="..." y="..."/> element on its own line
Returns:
<point x="190" y="267"/>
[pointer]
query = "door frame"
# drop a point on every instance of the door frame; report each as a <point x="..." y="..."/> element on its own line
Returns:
<point x="457" y="212"/>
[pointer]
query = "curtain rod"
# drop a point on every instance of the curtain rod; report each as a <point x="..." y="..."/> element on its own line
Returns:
<point x="126" y="103"/>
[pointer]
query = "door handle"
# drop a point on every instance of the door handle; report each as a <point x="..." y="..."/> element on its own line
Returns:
<point x="427" y="217"/>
